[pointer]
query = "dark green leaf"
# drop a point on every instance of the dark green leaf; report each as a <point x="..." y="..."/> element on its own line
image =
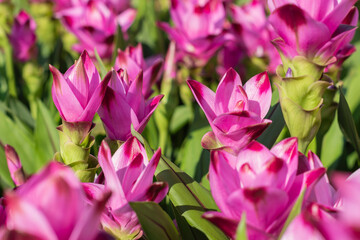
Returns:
<point x="182" y="115"/>
<point x="269" y="136"/>
<point x="155" y="222"/>
<point x="347" y="124"/>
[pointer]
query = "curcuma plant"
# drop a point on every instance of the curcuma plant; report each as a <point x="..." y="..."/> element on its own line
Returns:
<point x="211" y="119"/>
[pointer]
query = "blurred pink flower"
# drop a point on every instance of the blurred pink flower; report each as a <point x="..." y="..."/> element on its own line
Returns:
<point x="94" y="23"/>
<point x="198" y="29"/>
<point x="22" y="37"/>
<point x="261" y="183"/>
<point x="235" y="112"/>
<point x="14" y="165"/>
<point x="133" y="62"/>
<point x="129" y="175"/>
<point x="124" y="104"/>
<point x="314" y="29"/>
<point x="52" y="205"/>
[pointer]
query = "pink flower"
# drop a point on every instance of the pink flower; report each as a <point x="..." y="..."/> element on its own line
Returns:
<point x="133" y="62"/>
<point x="95" y="23"/>
<point x="262" y="184"/>
<point x="255" y="32"/>
<point x="78" y="93"/>
<point x="129" y="175"/>
<point x="235" y="112"/>
<point x="124" y="104"/>
<point x="197" y="31"/>
<point x="22" y="37"/>
<point x="15" y="167"/>
<point x="314" y="29"/>
<point x="51" y="205"/>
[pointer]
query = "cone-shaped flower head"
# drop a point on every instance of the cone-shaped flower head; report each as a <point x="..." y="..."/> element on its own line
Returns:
<point x="197" y="30"/>
<point x="95" y="23"/>
<point x="133" y="62"/>
<point x="129" y="175"/>
<point x="78" y="93"/>
<point x="316" y="30"/>
<point x="235" y="112"/>
<point x="52" y="205"/>
<point x="22" y="37"/>
<point x="261" y="183"/>
<point x="124" y="104"/>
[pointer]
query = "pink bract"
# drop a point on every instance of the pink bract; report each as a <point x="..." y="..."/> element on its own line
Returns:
<point x="124" y="104"/>
<point x="52" y="205"/>
<point x="133" y="62"/>
<point x="79" y="92"/>
<point x="235" y="112"/>
<point x="22" y="37"/>
<point x="129" y="175"/>
<point x="262" y="183"/>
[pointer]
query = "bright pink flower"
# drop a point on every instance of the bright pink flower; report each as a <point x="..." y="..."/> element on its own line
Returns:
<point x="78" y="93"/>
<point x="124" y="104"/>
<point x="264" y="184"/>
<point x="22" y="37"/>
<point x="314" y="29"/>
<point x="95" y="23"/>
<point x="52" y="205"/>
<point x="129" y="175"/>
<point x="198" y="29"/>
<point x="14" y="165"/>
<point x="133" y="62"/>
<point x="235" y="112"/>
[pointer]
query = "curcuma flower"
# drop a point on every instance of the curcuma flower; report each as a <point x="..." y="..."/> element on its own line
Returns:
<point x="235" y="112"/>
<point x="263" y="184"/>
<point x="124" y="104"/>
<point x="129" y="175"/>
<point x="197" y="31"/>
<point x="22" y="37"/>
<point x="51" y="205"/>
<point x="133" y="62"/>
<point x="95" y="24"/>
<point x="316" y="30"/>
<point x="78" y="93"/>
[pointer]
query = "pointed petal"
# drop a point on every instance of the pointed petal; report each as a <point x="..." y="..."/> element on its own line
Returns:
<point x="151" y="108"/>
<point x="228" y="95"/>
<point x="205" y="98"/>
<point x="95" y="101"/>
<point x="65" y="100"/>
<point x="15" y="168"/>
<point x="146" y="177"/>
<point x="258" y="90"/>
<point x="299" y="30"/>
<point x="334" y="19"/>
<point x="155" y="192"/>
<point x="20" y="211"/>
<point x="112" y="182"/>
<point x="88" y="225"/>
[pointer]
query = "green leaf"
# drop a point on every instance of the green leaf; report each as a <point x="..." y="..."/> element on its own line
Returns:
<point x="182" y="115"/>
<point x="242" y="2"/>
<point x="241" y="233"/>
<point x="17" y="135"/>
<point x="269" y="136"/>
<point x="45" y="136"/>
<point x="101" y="65"/>
<point x="347" y="124"/>
<point x="296" y="210"/>
<point x="119" y="43"/>
<point x="188" y="196"/>
<point x="155" y="222"/>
